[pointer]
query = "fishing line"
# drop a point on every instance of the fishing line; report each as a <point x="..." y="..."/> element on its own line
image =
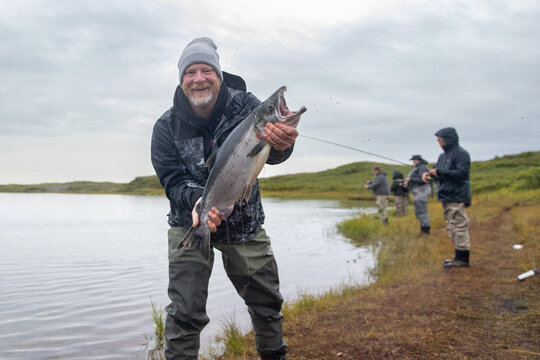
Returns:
<point x="353" y="148"/>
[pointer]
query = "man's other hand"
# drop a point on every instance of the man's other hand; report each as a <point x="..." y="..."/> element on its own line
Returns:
<point x="214" y="214"/>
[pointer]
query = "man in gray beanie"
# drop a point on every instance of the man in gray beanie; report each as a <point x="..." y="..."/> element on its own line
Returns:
<point x="200" y="50"/>
<point x="207" y="105"/>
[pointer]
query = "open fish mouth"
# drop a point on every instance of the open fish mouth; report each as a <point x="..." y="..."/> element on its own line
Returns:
<point x="285" y="115"/>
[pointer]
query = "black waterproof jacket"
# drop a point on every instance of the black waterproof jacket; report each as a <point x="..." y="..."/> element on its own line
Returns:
<point x="453" y="170"/>
<point x="183" y="141"/>
<point x="397" y="187"/>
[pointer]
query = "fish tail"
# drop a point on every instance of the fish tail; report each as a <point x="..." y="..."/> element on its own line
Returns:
<point x="193" y="240"/>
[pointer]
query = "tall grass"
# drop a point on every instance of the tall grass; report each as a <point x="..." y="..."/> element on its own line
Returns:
<point x="157" y="349"/>
<point x="307" y="301"/>
<point x="236" y="344"/>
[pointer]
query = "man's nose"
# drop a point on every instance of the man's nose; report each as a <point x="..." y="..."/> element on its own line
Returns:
<point x="199" y="77"/>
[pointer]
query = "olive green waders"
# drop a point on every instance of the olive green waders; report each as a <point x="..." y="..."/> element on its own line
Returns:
<point x="252" y="269"/>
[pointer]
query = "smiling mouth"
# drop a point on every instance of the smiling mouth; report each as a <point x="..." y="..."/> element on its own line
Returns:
<point x="200" y="90"/>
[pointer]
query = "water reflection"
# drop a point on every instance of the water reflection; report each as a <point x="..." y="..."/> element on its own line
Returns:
<point x="77" y="271"/>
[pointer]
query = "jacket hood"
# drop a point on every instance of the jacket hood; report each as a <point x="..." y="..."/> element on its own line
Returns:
<point x="234" y="81"/>
<point x="450" y="136"/>
<point x="397" y="175"/>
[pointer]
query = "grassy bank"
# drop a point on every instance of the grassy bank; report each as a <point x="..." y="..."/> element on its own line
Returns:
<point x="342" y="183"/>
<point x="417" y="310"/>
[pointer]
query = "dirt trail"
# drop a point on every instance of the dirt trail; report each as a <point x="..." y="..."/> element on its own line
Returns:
<point x="480" y="312"/>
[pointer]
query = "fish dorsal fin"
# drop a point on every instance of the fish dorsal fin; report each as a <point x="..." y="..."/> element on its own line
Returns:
<point x="257" y="148"/>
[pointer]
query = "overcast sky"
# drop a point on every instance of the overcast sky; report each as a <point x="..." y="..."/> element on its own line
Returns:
<point x="83" y="82"/>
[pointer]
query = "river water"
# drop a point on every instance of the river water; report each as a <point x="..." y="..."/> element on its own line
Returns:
<point x="78" y="272"/>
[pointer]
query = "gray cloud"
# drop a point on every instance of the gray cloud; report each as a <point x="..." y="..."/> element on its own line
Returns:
<point x="106" y="70"/>
<point x="397" y="81"/>
<point x="80" y="67"/>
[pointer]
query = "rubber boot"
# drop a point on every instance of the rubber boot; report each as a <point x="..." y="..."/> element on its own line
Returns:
<point x="274" y="357"/>
<point x="463" y="255"/>
<point x="278" y="355"/>
<point x="460" y="260"/>
<point x="425" y="230"/>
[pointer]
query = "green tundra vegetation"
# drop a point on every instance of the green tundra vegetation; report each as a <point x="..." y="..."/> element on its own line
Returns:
<point x="342" y="183"/>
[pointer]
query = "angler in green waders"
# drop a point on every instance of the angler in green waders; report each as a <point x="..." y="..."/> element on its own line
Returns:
<point x="207" y="105"/>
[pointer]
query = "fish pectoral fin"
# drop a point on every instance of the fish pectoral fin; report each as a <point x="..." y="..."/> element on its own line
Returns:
<point x="257" y="148"/>
<point x="247" y="192"/>
<point x="211" y="160"/>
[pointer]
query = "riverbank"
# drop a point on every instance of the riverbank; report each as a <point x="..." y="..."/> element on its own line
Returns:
<point x="417" y="310"/>
<point x="344" y="183"/>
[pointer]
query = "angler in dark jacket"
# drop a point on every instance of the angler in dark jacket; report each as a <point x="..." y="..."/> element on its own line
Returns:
<point x="453" y="191"/>
<point x="381" y="190"/>
<point x="401" y="193"/>
<point x="207" y="106"/>
<point x="421" y="192"/>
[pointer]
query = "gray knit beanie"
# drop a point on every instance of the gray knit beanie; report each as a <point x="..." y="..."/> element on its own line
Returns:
<point x="200" y="50"/>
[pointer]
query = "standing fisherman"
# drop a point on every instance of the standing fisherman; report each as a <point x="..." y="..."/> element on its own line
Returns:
<point x="452" y="172"/>
<point x="381" y="190"/>
<point x="207" y="105"/>
<point x="401" y="193"/>
<point x="421" y="192"/>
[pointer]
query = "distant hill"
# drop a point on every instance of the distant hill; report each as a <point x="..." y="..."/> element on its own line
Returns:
<point x="347" y="181"/>
<point x="145" y="185"/>
<point x="344" y="182"/>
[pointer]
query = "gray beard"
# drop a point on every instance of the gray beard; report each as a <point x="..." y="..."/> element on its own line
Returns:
<point x="201" y="101"/>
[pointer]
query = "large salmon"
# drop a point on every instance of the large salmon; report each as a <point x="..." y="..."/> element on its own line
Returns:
<point x="236" y="165"/>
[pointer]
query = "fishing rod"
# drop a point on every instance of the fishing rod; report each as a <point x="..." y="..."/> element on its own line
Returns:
<point x="353" y="148"/>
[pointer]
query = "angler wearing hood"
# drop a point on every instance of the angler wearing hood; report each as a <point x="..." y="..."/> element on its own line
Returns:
<point x="453" y="191"/>
<point x="421" y="192"/>
<point x="401" y="193"/>
<point x="381" y="190"/>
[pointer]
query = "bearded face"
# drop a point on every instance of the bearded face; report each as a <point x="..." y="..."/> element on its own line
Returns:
<point x="201" y="85"/>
